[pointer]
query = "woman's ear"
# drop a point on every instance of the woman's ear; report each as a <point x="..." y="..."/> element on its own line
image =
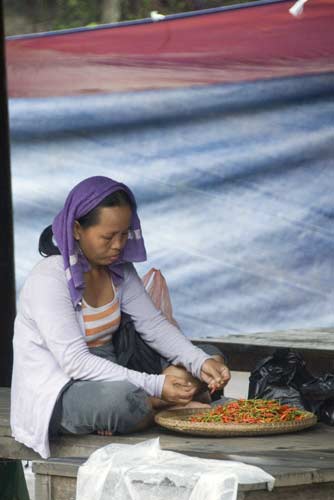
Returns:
<point x="76" y="230"/>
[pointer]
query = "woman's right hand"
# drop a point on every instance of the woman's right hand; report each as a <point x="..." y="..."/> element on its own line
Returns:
<point x="177" y="391"/>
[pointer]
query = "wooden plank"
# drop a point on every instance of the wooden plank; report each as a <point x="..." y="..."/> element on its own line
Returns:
<point x="245" y="351"/>
<point x="4" y="411"/>
<point x="43" y="487"/>
<point x="290" y="475"/>
<point x="65" y="467"/>
<point x="296" y="468"/>
<point x="60" y="468"/>
<point x="293" y="480"/>
<point x="300" y="492"/>
<point x="65" y="489"/>
<point x="316" y="340"/>
<point x="278" y="462"/>
<point x="319" y="438"/>
<point x="245" y="358"/>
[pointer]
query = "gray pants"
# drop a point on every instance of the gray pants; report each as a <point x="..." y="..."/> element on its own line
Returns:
<point x="84" y="407"/>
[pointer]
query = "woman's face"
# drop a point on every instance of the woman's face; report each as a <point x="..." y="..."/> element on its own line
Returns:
<point x="103" y="242"/>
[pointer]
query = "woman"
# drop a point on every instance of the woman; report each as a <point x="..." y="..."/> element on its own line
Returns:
<point x="66" y="377"/>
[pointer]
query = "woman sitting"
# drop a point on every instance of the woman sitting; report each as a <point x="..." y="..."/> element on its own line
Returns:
<point x="66" y="375"/>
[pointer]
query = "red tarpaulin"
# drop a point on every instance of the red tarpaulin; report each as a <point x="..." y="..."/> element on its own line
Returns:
<point x="244" y="44"/>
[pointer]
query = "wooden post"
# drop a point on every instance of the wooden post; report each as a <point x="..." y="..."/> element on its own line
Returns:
<point x="7" y="278"/>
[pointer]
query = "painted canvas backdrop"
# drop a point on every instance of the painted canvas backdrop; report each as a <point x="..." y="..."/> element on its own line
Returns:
<point x="234" y="182"/>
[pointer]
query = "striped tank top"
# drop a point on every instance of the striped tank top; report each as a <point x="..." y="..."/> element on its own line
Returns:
<point x="101" y="322"/>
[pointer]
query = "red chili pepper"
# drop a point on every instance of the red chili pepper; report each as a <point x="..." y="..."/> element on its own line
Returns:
<point x="251" y="411"/>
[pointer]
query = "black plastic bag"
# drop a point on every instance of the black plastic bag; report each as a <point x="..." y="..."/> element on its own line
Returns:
<point x="285" y="378"/>
<point x="326" y="412"/>
<point x="319" y="394"/>
<point x="319" y="389"/>
<point x="279" y="377"/>
<point x="284" y="394"/>
<point x="132" y="352"/>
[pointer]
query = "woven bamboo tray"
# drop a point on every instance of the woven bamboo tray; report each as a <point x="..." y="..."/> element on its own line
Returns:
<point x="178" y="421"/>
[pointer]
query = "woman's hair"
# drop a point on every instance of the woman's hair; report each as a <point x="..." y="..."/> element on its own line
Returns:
<point x="120" y="198"/>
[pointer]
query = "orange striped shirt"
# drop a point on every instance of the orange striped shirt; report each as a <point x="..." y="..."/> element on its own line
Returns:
<point x="101" y="322"/>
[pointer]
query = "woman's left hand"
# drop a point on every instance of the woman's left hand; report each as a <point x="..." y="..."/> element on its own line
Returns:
<point x="215" y="373"/>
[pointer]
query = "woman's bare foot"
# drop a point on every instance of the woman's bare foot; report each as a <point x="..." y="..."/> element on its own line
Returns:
<point x="104" y="433"/>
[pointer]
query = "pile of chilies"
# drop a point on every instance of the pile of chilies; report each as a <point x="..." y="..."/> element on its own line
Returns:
<point x="251" y="411"/>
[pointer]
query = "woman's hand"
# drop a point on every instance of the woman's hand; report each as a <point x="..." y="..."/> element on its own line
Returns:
<point x="177" y="391"/>
<point x="215" y="373"/>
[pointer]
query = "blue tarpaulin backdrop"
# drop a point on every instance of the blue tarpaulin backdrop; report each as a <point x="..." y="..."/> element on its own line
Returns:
<point x="234" y="184"/>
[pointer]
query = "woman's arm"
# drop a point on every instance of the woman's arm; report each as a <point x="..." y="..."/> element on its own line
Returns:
<point x="154" y="328"/>
<point x="49" y="306"/>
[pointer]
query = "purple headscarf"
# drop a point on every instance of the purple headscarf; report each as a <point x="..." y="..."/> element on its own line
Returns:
<point x="82" y="199"/>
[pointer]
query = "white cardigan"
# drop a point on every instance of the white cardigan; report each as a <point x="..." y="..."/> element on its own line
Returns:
<point x="50" y="349"/>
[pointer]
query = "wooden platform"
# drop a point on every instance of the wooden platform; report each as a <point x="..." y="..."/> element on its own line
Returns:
<point x="244" y="351"/>
<point x="302" y="463"/>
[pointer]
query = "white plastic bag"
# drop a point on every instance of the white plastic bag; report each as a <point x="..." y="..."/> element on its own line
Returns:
<point x="145" y="472"/>
<point x="156" y="286"/>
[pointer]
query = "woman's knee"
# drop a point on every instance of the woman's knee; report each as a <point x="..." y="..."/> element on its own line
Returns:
<point x="130" y="409"/>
